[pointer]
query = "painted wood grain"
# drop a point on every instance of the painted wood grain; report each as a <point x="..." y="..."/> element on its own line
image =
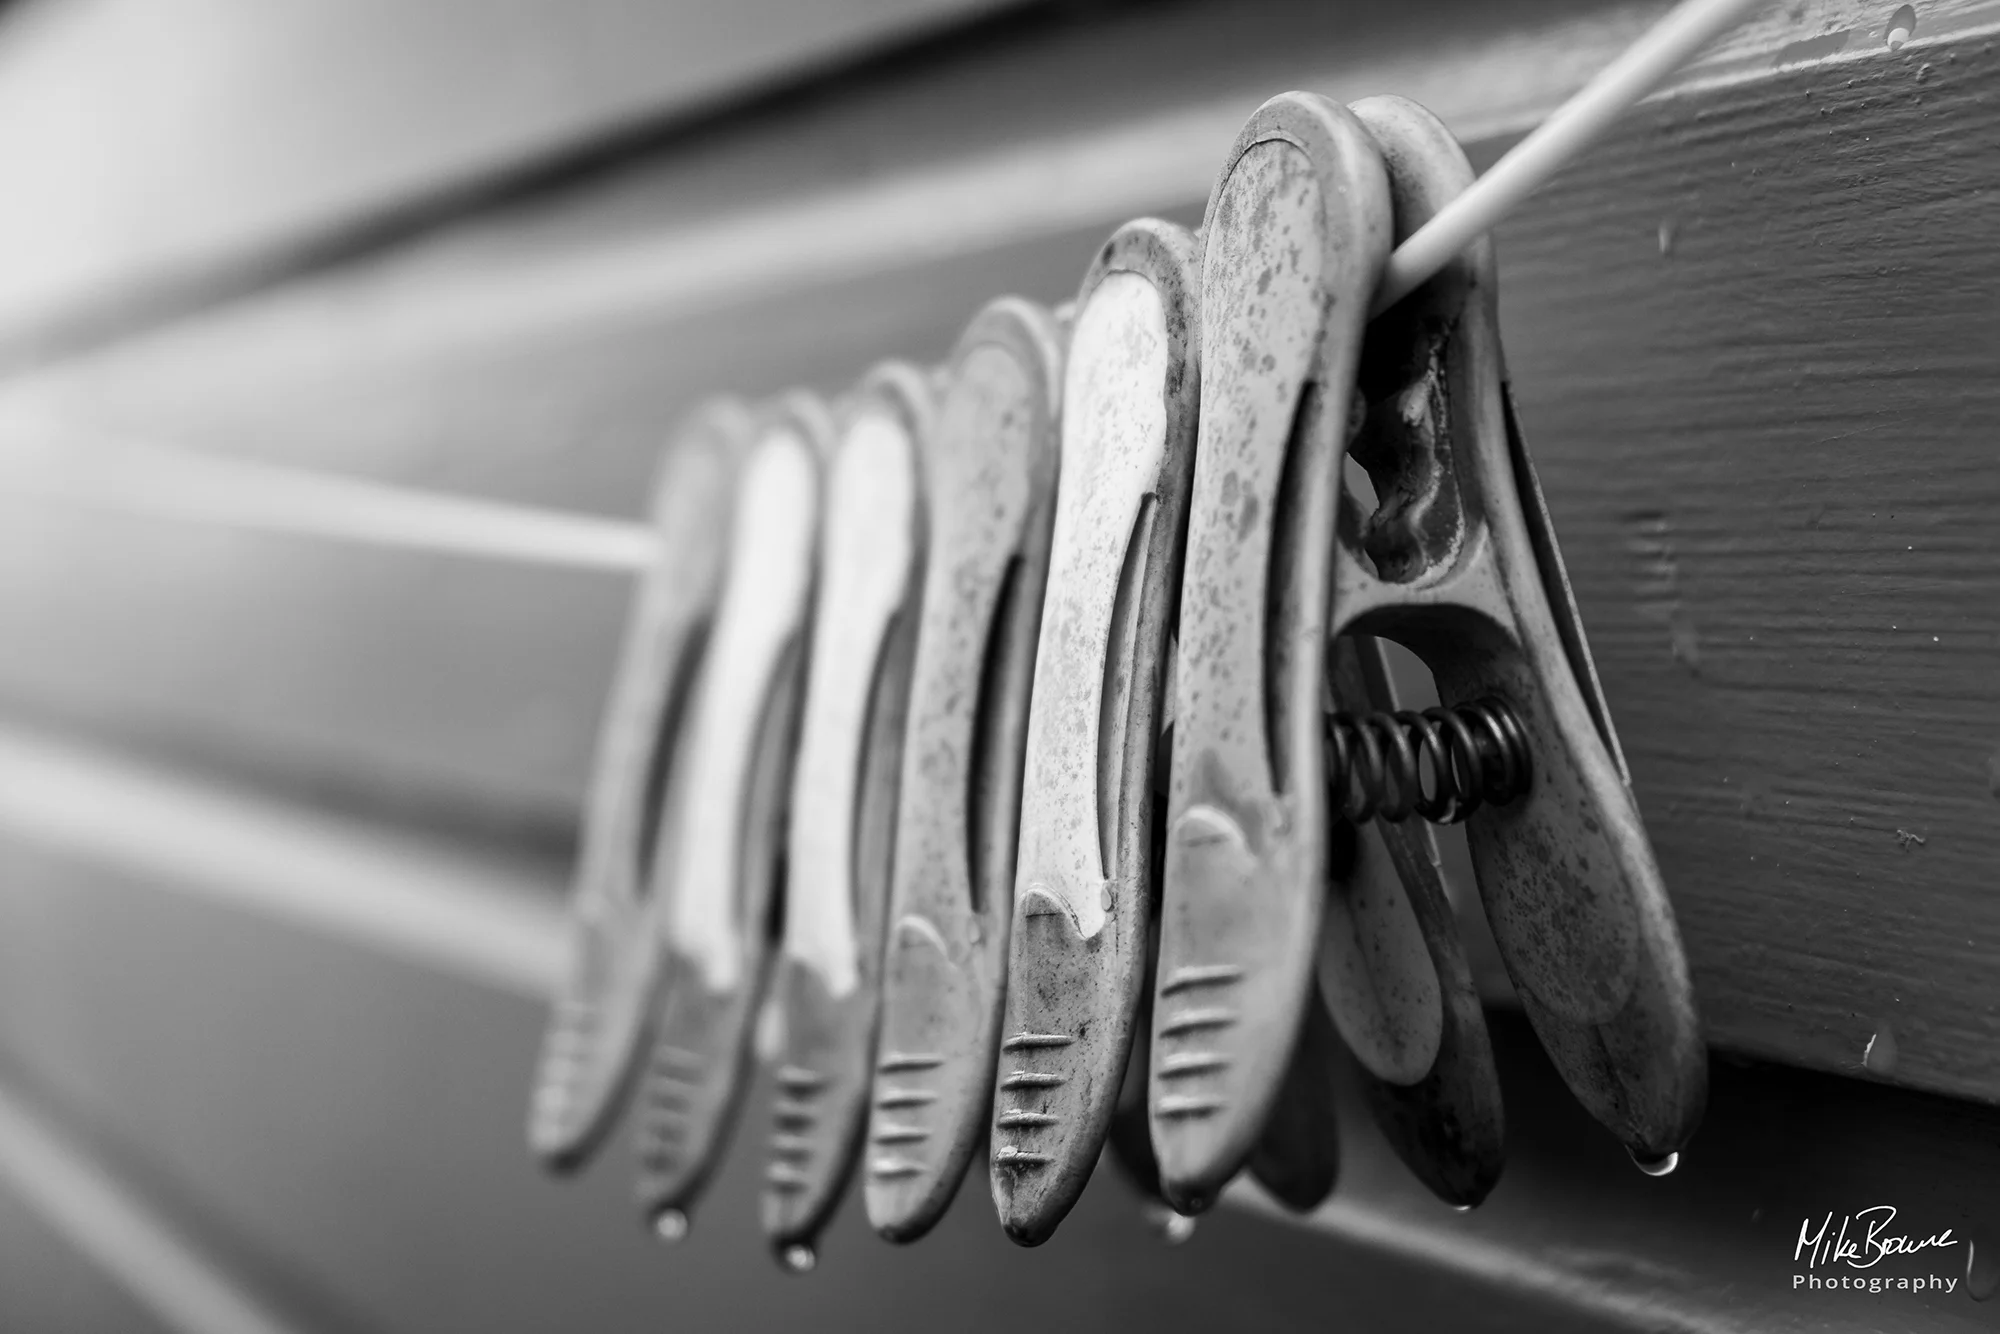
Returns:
<point x="1774" y="469"/>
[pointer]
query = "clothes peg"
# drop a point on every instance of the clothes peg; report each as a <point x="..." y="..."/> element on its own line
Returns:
<point x="1391" y="955"/>
<point x="1459" y="565"/>
<point x="601" y="1017"/>
<point x="828" y="984"/>
<point x="716" y="883"/>
<point x="991" y="489"/>
<point x="1462" y="567"/>
<point x="1295" y="235"/>
<point x="1083" y="884"/>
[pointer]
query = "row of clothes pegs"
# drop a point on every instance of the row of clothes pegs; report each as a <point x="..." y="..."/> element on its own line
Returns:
<point x="1017" y="741"/>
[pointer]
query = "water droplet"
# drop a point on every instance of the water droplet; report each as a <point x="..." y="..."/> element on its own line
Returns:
<point x="1879" y="1056"/>
<point x="1173" y="1228"/>
<point x="670" y="1225"/>
<point x="1461" y="1208"/>
<point x="1655" y="1167"/>
<point x="800" y="1258"/>
<point x="1982" y="1270"/>
<point x="1902" y="27"/>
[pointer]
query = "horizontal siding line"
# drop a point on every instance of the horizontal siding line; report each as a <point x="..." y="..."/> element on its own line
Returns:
<point x="448" y="910"/>
<point x="1021" y="192"/>
<point x="137" y="1249"/>
<point x="1501" y="1267"/>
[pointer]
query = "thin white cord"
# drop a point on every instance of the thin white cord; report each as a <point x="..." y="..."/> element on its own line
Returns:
<point x="1569" y="129"/>
<point x="161" y="481"/>
<point x="165" y="482"/>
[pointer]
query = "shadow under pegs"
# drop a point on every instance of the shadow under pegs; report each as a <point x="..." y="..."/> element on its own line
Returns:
<point x="827" y="988"/>
<point x="720" y="873"/>
<point x="991" y="478"/>
<point x="1083" y="885"/>
<point x="1457" y="564"/>
<point x="602" y="1016"/>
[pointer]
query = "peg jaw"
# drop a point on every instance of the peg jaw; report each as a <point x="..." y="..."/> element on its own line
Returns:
<point x="718" y="876"/>
<point x="827" y="992"/>
<point x="602" y="1016"/>
<point x="1295" y="237"/>
<point x="1083" y="887"/>
<point x="991" y="492"/>
<point x="1461" y="565"/>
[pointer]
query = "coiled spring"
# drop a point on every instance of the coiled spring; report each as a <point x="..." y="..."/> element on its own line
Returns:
<point x="1442" y="764"/>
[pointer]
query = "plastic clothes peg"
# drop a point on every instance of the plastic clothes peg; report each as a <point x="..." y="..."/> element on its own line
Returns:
<point x="827" y="988"/>
<point x="717" y="880"/>
<point x="601" y="1018"/>
<point x="1083" y="883"/>
<point x="991" y="492"/>
<point x="1460" y="564"/>
<point x="1295" y="235"/>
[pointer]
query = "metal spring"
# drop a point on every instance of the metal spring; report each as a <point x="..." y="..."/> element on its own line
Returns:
<point x="1475" y="754"/>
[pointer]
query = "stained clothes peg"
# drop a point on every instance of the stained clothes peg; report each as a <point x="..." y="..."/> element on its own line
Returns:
<point x="1459" y="565"/>
<point x="1083" y="884"/>
<point x="1295" y="235"/>
<point x="827" y="989"/>
<point x="991" y="491"/>
<point x="599" y="1025"/>
<point x="718" y="878"/>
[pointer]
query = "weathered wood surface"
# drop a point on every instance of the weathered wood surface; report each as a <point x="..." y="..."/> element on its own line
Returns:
<point x="1748" y="335"/>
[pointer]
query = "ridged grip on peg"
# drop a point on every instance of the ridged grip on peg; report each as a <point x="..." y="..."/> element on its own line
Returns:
<point x="1084" y="884"/>
<point x="828" y="987"/>
<point x="598" y="1027"/>
<point x="718" y="877"/>
<point x="990" y="491"/>
<point x="1295" y="236"/>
